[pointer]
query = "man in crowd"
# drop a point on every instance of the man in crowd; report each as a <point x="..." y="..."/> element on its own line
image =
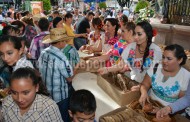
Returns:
<point x="55" y="69"/>
<point x="83" y="26"/>
<point x="37" y="46"/>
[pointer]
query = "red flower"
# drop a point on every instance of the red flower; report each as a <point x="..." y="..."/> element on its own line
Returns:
<point x="132" y="52"/>
<point x="112" y="41"/>
<point x="3" y="24"/>
<point x="154" y="32"/>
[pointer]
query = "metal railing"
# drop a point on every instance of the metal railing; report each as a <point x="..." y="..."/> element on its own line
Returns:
<point x="177" y="11"/>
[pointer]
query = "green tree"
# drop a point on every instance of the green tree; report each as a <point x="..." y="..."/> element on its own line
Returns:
<point x="141" y="4"/>
<point x="46" y="4"/>
<point x="102" y="5"/>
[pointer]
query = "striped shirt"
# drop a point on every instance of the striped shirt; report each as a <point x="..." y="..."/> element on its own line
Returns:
<point x="37" y="46"/>
<point x="55" y="68"/>
<point x="43" y="109"/>
<point x="71" y="54"/>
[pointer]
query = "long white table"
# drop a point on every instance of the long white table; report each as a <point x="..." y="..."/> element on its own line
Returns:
<point x="88" y="81"/>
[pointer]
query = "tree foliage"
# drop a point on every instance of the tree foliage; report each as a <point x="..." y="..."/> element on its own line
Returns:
<point x="46" y="4"/>
<point x="102" y="5"/>
<point x="141" y="4"/>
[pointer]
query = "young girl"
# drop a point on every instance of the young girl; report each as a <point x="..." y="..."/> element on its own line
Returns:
<point x="28" y="100"/>
<point x="95" y="37"/>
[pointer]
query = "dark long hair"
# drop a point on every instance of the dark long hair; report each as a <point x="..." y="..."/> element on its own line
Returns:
<point x="19" y="24"/>
<point x="97" y="21"/>
<point x="149" y="33"/>
<point x="114" y="22"/>
<point x="28" y="72"/>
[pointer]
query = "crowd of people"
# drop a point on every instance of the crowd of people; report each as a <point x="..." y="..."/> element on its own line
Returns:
<point x="39" y="59"/>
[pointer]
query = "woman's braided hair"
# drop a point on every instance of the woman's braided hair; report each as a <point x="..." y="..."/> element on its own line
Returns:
<point x="149" y="33"/>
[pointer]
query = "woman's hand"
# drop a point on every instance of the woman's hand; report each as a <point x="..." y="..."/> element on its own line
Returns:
<point x="88" y="47"/>
<point x="163" y="112"/>
<point x="82" y="47"/>
<point x="103" y="71"/>
<point x="143" y="98"/>
<point x="135" y="88"/>
<point x="85" y="35"/>
<point x="125" y="68"/>
<point x="155" y="109"/>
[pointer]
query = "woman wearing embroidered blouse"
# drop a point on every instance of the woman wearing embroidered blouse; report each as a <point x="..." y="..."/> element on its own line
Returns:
<point x="28" y="101"/>
<point x="111" y="27"/>
<point x="113" y="57"/>
<point x="95" y="37"/>
<point x="139" y="55"/>
<point x="168" y="80"/>
<point x="178" y="105"/>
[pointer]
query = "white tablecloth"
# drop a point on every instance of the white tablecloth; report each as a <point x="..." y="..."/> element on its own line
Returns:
<point x="88" y="81"/>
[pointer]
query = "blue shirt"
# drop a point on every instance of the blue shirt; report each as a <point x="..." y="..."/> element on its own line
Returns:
<point x="55" y="68"/>
<point x="182" y="102"/>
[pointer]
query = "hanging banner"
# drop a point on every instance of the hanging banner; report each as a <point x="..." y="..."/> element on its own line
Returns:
<point x="37" y="7"/>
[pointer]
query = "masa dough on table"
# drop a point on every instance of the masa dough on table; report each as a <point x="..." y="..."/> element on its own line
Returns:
<point x="88" y="81"/>
<point x="82" y="55"/>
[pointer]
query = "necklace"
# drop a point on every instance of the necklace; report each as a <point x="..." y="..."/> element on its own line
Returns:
<point x="140" y="51"/>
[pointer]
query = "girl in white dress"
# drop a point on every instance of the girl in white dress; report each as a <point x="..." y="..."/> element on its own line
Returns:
<point x="95" y="37"/>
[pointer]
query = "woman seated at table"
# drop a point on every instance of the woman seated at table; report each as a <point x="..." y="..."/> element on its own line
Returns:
<point x="113" y="57"/>
<point x="166" y="82"/>
<point x="28" y="101"/>
<point x="138" y="56"/>
<point x="95" y="37"/>
<point x="180" y="104"/>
